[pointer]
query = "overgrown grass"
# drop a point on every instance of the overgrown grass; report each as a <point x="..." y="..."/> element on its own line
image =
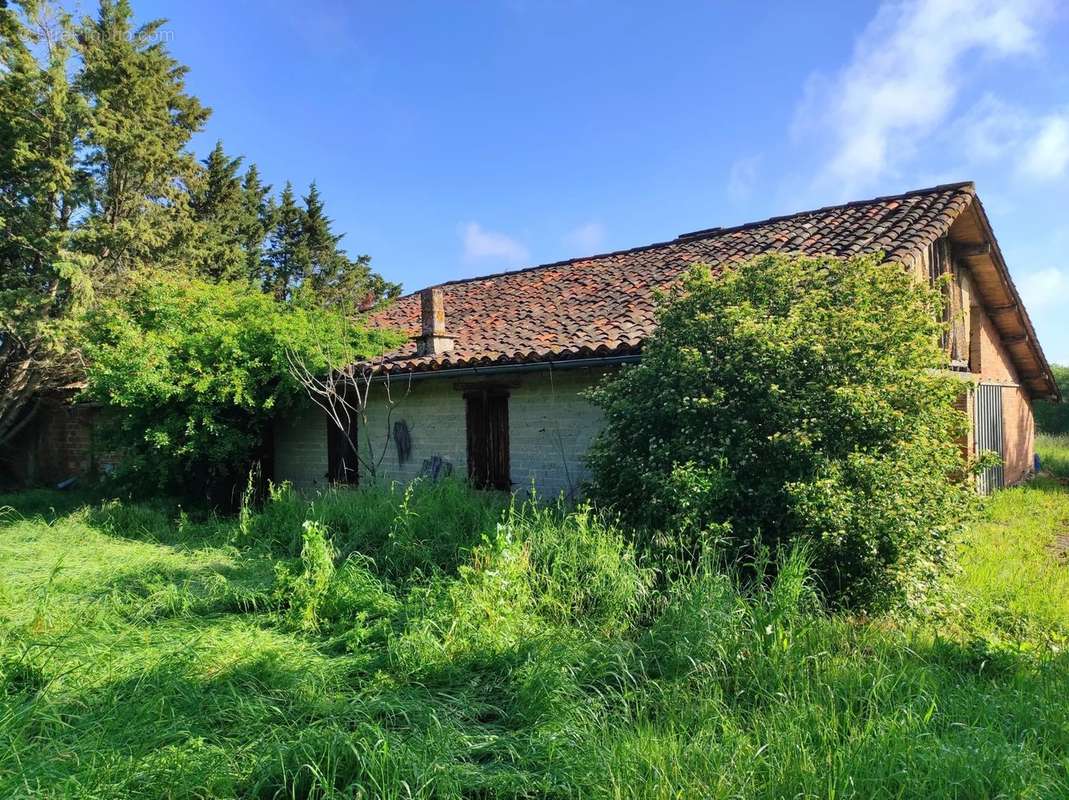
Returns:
<point x="439" y="643"/>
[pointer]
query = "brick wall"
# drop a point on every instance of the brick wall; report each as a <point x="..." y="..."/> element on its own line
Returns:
<point x="550" y="429"/>
<point x="59" y="443"/>
<point x="1018" y="425"/>
<point x="988" y="362"/>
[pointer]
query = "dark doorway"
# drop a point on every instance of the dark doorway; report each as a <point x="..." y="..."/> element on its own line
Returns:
<point x="342" y="466"/>
<point x="488" y="438"/>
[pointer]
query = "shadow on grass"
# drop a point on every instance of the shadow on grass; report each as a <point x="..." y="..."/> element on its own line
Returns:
<point x="1054" y="455"/>
<point x="145" y="731"/>
<point x="1047" y="482"/>
<point x="161" y="590"/>
<point x="47" y="504"/>
<point x="162" y="521"/>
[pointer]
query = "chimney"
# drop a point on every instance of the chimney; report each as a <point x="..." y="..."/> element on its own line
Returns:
<point x="433" y="340"/>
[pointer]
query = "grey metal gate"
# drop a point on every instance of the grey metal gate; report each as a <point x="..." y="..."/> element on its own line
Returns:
<point x="988" y="427"/>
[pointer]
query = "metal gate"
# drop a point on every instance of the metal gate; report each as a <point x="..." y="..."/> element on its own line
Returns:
<point x="988" y="427"/>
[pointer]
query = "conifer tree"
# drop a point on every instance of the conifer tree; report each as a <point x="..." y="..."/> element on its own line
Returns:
<point x="219" y="208"/>
<point x="286" y="260"/>
<point x="94" y="125"/>
<point x="257" y="219"/>
<point x="304" y="259"/>
<point x="98" y="183"/>
<point x="337" y="281"/>
<point x="42" y="279"/>
<point x="140" y="122"/>
<point x="326" y="262"/>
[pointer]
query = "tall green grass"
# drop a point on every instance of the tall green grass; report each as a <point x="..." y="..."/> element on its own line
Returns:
<point x="439" y="642"/>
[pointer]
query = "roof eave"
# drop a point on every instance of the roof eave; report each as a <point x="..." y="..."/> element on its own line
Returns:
<point x="1037" y="376"/>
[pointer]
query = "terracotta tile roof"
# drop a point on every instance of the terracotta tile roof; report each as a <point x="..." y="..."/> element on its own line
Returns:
<point x="603" y="305"/>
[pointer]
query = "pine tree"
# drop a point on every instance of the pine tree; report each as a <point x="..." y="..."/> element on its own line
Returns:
<point x="285" y="262"/>
<point x="140" y="123"/>
<point x="257" y="220"/>
<point x="43" y="280"/>
<point x="218" y="206"/>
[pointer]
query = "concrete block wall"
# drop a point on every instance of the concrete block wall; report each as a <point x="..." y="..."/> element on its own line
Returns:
<point x="434" y="411"/>
<point x="301" y="447"/>
<point x="550" y="429"/>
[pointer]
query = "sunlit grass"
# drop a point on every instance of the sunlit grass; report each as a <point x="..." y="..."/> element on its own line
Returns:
<point x="1015" y="580"/>
<point x="454" y="652"/>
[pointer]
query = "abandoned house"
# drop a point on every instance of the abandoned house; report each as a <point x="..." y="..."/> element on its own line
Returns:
<point x="490" y="385"/>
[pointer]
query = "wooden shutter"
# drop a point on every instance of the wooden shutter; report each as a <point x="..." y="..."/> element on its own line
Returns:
<point x="988" y="434"/>
<point x="488" y="438"/>
<point x="940" y="263"/>
<point x="341" y="454"/>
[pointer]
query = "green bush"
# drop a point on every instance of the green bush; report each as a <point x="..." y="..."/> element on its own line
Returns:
<point x="193" y="373"/>
<point x="792" y="400"/>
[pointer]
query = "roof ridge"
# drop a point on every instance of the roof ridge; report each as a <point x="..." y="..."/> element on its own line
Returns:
<point x="706" y="233"/>
<point x="943" y="187"/>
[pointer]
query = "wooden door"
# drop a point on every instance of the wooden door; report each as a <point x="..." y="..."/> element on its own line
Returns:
<point x="488" y="439"/>
<point x="342" y="464"/>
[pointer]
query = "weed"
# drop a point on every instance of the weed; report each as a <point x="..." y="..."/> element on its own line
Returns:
<point x="435" y="642"/>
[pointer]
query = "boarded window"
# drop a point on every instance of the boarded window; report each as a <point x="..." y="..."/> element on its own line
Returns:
<point x="488" y="438"/>
<point x="341" y="453"/>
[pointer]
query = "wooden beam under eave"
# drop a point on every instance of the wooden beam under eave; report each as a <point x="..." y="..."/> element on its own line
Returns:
<point x="971" y="250"/>
<point x="1004" y="309"/>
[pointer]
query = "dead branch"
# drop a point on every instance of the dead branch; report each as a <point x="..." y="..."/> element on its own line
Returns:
<point x="344" y="393"/>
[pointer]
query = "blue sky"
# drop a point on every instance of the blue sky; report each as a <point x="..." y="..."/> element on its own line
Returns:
<point x="458" y="139"/>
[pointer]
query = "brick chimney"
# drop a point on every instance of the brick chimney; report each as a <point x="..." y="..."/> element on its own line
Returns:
<point x="433" y="340"/>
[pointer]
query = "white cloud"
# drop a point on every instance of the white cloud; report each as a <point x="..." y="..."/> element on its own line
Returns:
<point x="1045" y="288"/>
<point x="1046" y="156"/>
<point x="1046" y="296"/>
<point x="742" y="177"/>
<point x="586" y="239"/>
<point x="1033" y="145"/>
<point x="991" y="130"/>
<point x="904" y="78"/>
<point x="480" y="244"/>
